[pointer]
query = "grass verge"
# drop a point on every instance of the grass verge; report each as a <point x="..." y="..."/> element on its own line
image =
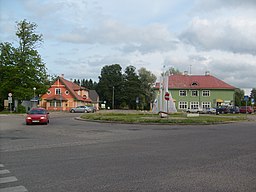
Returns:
<point x="177" y="118"/>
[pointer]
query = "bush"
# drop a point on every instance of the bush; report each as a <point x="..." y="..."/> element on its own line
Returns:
<point x="21" y="109"/>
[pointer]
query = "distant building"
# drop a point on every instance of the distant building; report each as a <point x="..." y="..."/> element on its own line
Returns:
<point x="64" y="95"/>
<point x="198" y="91"/>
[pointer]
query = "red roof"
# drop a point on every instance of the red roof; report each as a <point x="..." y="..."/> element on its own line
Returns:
<point x="178" y="81"/>
<point x="72" y="87"/>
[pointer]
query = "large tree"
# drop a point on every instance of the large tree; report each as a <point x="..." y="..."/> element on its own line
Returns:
<point x="110" y="85"/>
<point x="22" y="67"/>
<point x="147" y="80"/>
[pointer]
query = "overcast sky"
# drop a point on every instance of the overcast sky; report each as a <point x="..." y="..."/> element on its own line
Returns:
<point x="82" y="36"/>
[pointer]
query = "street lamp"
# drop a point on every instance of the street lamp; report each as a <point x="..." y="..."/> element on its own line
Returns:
<point x="34" y="92"/>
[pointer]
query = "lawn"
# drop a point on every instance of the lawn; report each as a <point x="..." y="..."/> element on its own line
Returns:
<point x="148" y="117"/>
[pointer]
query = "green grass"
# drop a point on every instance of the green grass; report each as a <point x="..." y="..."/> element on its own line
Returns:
<point x="177" y="118"/>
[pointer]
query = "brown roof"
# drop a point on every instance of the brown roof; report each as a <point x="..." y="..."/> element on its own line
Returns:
<point x="178" y="81"/>
<point x="72" y="87"/>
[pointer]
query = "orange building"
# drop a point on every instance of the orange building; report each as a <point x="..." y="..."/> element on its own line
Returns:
<point x="64" y="95"/>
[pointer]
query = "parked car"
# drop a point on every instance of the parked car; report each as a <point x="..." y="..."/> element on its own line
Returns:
<point x="209" y="110"/>
<point x="92" y="109"/>
<point x="220" y="110"/>
<point x="80" y="109"/>
<point x="243" y="109"/>
<point x="232" y="109"/>
<point x="37" y="116"/>
<point x="196" y="110"/>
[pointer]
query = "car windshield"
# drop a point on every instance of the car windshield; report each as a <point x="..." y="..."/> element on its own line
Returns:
<point x="37" y="111"/>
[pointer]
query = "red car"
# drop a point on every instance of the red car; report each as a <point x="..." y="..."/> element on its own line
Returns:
<point x="243" y="109"/>
<point x="38" y="116"/>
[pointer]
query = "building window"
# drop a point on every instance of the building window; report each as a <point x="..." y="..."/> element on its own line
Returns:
<point x="194" y="93"/>
<point x="57" y="91"/>
<point x="183" y="93"/>
<point x="66" y="92"/>
<point x="183" y="105"/>
<point x="194" y="105"/>
<point x="48" y="92"/>
<point x="194" y="84"/>
<point x="205" y="93"/>
<point x="206" y="104"/>
<point x="55" y="103"/>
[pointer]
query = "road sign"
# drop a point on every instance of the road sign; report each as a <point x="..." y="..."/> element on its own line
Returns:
<point x="252" y="101"/>
<point x="246" y="97"/>
<point x="167" y="96"/>
<point x="9" y="99"/>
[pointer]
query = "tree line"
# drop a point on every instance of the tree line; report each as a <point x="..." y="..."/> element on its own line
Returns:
<point x="129" y="90"/>
<point x="23" y="73"/>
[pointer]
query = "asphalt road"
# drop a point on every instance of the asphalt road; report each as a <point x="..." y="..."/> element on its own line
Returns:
<point x="78" y="156"/>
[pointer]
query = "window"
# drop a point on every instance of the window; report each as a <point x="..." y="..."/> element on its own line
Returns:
<point x="55" y="103"/>
<point x="194" y="84"/>
<point x="66" y="92"/>
<point x="183" y="105"/>
<point x="206" y="93"/>
<point x="57" y="91"/>
<point x="48" y="92"/>
<point x="194" y="105"/>
<point x="194" y="93"/>
<point x="206" y="104"/>
<point x="183" y="93"/>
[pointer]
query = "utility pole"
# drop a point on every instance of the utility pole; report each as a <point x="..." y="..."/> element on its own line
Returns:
<point x="113" y="98"/>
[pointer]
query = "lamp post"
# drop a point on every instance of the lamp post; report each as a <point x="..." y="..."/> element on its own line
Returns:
<point x="34" y="92"/>
<point x="113" y="98"/>
<point x="34" y="99"/>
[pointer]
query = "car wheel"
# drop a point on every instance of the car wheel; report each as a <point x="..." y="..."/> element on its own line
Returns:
<point x="72" y="111"/>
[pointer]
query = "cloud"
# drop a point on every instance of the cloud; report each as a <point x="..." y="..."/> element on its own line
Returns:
<point x="210" y="5"/>
<point x="234" y="34"/>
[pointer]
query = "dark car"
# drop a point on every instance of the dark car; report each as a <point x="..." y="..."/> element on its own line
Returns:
<point x="220" y="110"/>
<point x="246" y="109"/>
<point x="37" y="116"/>
<point x="232" y="109"/>
<point x="80" y="109"/>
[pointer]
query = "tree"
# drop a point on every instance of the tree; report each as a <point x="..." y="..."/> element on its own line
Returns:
<point x="111" y="85"/>
<point x="253" y="95"/>
<point x="239" y="95"/>
<point x="147" y="80"/>
<point x="132" y="87"/>
<point x="172" y="70"/>
<point x="23" y="66"/>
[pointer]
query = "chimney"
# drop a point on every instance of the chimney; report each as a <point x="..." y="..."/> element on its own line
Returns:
<point x="207" y="73"/>
<point x="62" y="75"/>
<point x="185" y="73"/>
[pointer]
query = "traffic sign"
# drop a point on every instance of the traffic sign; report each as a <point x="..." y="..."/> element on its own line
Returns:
<point x="167" y="96"/>
<point x="252" y="101"/>
<point x="246" y="97"/>
<point x="9" y="99"/>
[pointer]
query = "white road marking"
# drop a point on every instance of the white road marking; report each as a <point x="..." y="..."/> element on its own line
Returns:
<point x="14" y="189"/>
<point x="4" y="171"/>
<point x="8" y="179"/>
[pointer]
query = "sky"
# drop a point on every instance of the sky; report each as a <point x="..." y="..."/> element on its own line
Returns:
<point x="82" y="36"/>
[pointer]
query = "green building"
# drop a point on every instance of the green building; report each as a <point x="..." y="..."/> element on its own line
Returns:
<point x="198" y="91"/>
